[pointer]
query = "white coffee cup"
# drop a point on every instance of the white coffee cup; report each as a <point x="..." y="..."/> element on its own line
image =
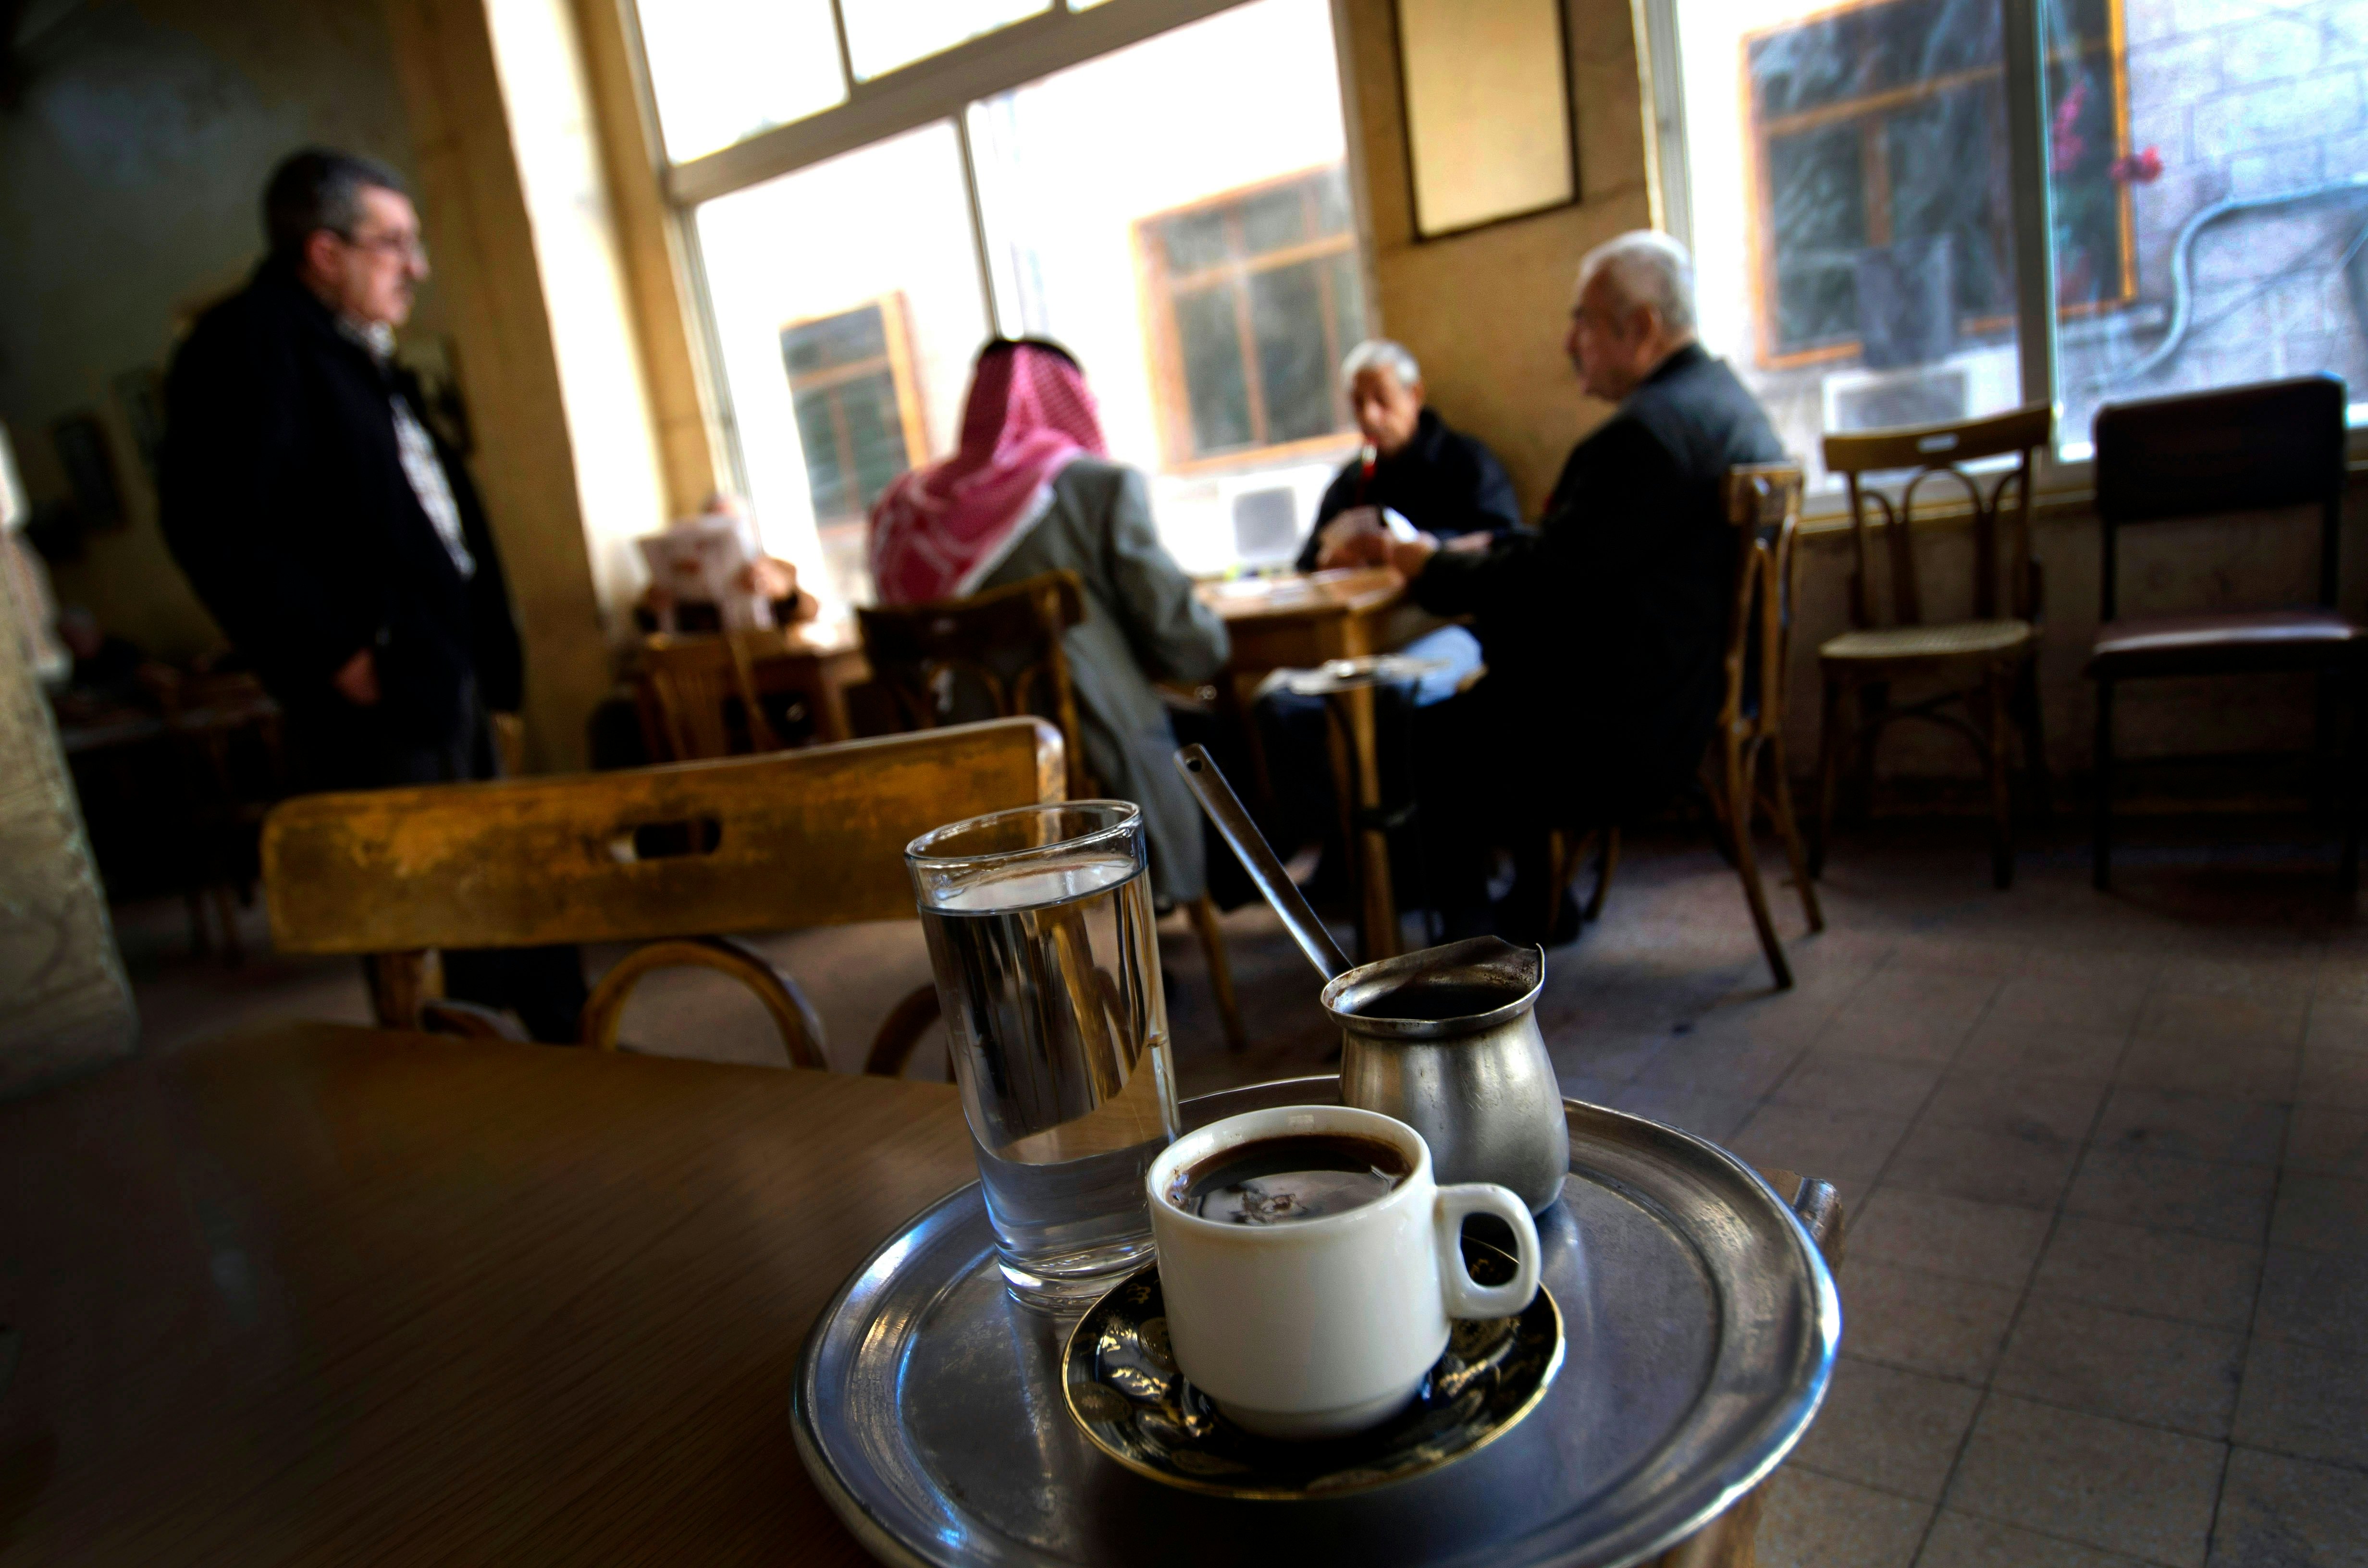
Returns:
<point x="1318" y="1327"/>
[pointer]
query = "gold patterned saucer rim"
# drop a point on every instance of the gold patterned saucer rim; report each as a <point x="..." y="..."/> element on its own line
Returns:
<point x="1537" y="1328"/>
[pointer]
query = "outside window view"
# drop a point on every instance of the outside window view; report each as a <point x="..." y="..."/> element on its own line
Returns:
<point x="1851" y="177"/>
<point x="1207" y="283"/>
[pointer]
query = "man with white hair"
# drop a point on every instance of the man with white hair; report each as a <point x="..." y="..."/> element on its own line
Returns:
<point x="1441" y="480"/>
<point x="1604" y="628"/>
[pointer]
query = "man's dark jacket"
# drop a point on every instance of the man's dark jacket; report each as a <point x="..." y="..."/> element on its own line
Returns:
<point x="285" y="500"/>
<point x="1443" y="482"/>
<point x="1605" y="629"/>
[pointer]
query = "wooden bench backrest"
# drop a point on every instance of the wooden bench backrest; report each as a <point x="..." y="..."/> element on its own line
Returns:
<point x="780" y="842"/>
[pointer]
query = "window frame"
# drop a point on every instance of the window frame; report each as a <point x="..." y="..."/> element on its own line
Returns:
<point x="1171" y="393"/>
<point x="2060" y="480"/>
<point x="937" y="88"/>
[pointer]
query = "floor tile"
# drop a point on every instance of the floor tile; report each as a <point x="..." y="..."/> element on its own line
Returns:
<point x="2332" y="1077"/>
<point x="1963" y="997"/>
<point x="2195" y="1126"/>
<point x="2223" y="1019"/>
<point x="2337" y="1026"/>
<point x="2315" y="1298"/>
<point x="2072" y="1003"/>
<point x="2016" y="1045"/>
<point x="1832" y="1081"/>
<point x="1992" y="1243"/>
<point x="1955" y="956"/>
<point x="2276" y="979"/>
<point x="1886" y="1429"/>
<point x="2321" y="1213"/>
<point x="2277" y="1512"/>
<point x="2071" y="960"/>
<point x="2090" y="1478"/>
<point x="2233" y="1069"/>
<point x="1720" y="1065"/>
<point x="2327" y="1140"/>
<point x="1923" y="1323"/>
<point x="2301" y="1399"/>
<point x="2016" y="1104"/>
<point x="1899" y="1030"/>
<point x="2229" y="1201"/>
<point x="1603" y="1055"/>
<point x="2168" y="1273"/>
<point x="1973" y="1162"/>
<point x="2115" y="1363"/>
<point x="1835" y="1146"/>
<point x="1813" y="1521"/>
<point x="1961" y="1540"/>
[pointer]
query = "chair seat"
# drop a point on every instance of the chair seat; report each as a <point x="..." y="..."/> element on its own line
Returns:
<point x="2201" y="645"/>
<point x="1913" y="644"/>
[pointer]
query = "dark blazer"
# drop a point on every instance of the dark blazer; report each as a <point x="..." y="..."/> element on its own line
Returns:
<point x="1445" y="482"/>
<point x="285" y="501"/>
<point x="1605" y="626"/>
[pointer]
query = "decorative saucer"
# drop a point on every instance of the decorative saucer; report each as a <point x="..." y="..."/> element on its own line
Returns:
<point x="1124" y="1389"/>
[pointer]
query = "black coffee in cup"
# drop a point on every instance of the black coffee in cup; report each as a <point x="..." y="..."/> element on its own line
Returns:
<point x="1275" y="1181"/>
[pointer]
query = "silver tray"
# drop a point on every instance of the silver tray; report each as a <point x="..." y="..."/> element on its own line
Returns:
<point x="1701" y="1326"/>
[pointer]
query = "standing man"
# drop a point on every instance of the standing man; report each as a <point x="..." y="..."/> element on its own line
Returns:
<point x="1605" y="628"/>
<point x="337" y="541"/>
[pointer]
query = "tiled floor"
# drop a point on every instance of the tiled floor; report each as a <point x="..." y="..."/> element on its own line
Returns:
<point x="2106" y="1161"/>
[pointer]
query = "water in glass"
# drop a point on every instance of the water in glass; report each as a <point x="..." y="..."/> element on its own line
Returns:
<point x="1048" y="969"/>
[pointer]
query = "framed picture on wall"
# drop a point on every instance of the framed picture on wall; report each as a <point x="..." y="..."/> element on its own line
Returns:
<point x="1485" y="87"/>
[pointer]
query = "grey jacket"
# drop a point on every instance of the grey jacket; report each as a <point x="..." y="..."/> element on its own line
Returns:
<point x="1141" y="623"/>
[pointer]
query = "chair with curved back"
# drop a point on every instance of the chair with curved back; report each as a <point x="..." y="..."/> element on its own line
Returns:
<point x="701" y="680"/>
<point x="1988" y="664"/>
<point x="683" y="858"/>
<point x="1001" y="652"/>
<point x="1746" y="762"/>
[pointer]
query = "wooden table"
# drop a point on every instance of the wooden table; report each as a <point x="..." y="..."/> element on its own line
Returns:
<point x="322" y="1294"/>
<point x="818" y="660"/>
<point x="1300" y="622"/>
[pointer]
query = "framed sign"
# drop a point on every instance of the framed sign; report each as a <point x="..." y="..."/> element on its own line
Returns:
<point x="1487" y="85"/>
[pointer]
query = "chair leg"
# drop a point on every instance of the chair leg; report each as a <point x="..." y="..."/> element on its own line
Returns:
<point x="1747" y="863"/>
<point x="2035" y="744"/>
<point x="1202" y="911"/>
<point x="1607" y="861"/>
<point x="2000" y="734"/>
<point x="891" y="1048"/>
<point x="1781" y="807"/>
<point x="2100" y="810"/>
<point x="2348" y="785"/>
<point x="1831" y="744"/>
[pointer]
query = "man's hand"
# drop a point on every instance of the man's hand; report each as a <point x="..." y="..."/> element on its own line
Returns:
<point x="356" y="680"/>
<point x="1355" y="538"/>
<point x="1409" y="556"/>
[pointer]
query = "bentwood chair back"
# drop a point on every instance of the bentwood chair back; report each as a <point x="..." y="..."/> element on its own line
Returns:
<point x="1001" y="652"/>
<point x="700" y="681"/>
<point x="1746" y="756"/>
<point x="2275" y="446"/>
<point x="1986" y="666"/>
<point x="681" y="858"/>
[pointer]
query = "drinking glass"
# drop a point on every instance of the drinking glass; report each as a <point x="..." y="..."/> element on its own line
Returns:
<point x="1039" y="927"/>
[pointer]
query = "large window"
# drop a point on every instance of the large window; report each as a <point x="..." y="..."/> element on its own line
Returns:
<point x="1254" y="298"/>
<point x="1207" y="278"/>
<point x="1849" y="184"/>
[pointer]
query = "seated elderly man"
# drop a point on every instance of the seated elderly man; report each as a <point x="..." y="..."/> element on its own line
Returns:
<point x="1438" y="479"/>
<point x="1604" y="628"/>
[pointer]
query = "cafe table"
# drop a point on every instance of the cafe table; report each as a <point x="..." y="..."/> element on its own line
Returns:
<point x="1300" y="622"/>
<point x="314" y="1293"/>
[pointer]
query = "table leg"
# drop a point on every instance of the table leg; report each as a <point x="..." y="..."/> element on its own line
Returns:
<point x="1377" y="909"/>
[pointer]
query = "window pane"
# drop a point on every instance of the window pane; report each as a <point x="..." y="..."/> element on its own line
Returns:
<point x="884" y="34"/>
<point x="1214" y="381"/>
<point x="2225" y="151"/>
<point x="723" y="70"/>
<point x="1294" y="367"/>
<point x="871" y="251"/>
<point x="1852" y="238"/>
<point x="1123" y="201"/>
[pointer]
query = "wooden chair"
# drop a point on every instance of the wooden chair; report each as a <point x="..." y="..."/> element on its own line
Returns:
<point x="680" y="858"/>
<point x="2255" y="449"/>
<point x="1989" y="664"/>
<point x="1002" y="652"/>
<point x="1746" y="760"/>
<point x="698" y="680"/>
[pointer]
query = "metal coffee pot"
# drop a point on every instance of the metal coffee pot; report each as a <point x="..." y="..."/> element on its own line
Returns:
<point x="1445" y="1040"/>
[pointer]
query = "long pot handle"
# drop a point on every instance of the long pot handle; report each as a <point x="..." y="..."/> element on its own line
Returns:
<point x="1202" y="777"/>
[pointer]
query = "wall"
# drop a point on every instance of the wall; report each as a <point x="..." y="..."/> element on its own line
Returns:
<point x="131" y="179"/>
